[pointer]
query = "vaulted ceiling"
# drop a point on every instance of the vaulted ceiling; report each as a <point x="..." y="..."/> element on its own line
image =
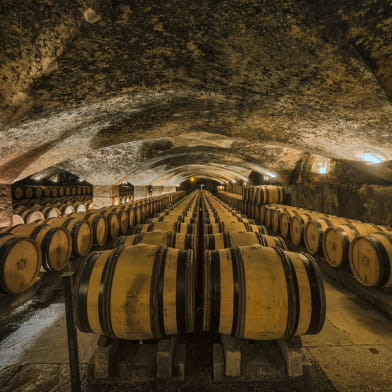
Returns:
<point x="156" y="92"/>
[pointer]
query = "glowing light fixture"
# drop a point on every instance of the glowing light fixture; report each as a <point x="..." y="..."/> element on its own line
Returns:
<point x="37" y="178"/>
<point x="371" y="158"/>
<point x="323" y="168"/>
<point x="233" y="181"/>
<point x="272" y="175"/>
<point x="192" y="179"/>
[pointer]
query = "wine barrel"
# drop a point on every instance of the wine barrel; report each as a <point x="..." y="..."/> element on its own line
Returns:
<point x="50" y="212"/>
<point x="99" y="226"/>
<point x="17" y="220"/>
<point x="337" y="240"/>
<point x="268" y="211"/>
<point x="274" y="194"/>
<point x="285" y="219"/>
<point x="240" y="238"/>
<point x="38" y="192"/>
<point x="81" y="233"/>
<point x="67" y="191"/>
<point x="370" y="259"/>
<point x="113" y="223"/>
<point x="60" y="191"/>
<point x="67" y="209"/>
<point x="46" y="192"/>
<point x="297" y="225"/>
<point x="138" y="214"/>
<point x="20" y="262"/>
<point x="80" y="208"/>
<point x="315" y="229"/>
<point x="233" y="226"/>
<point x="29" y="215"/>
<point x="131" y="209"/>
<point x="123" y="217"/>
<point x="54" y="191"/>
<point x="276" y="215"/>
<point x="168" y="238"/>
<point x="29" y="192"/>
<point x="172" y="218"/>
<point x="154" y="284"/>
<point x="261" y="293"/>
<point x="178" y="227"/>
<point x="54" y="242"/>
<point x="19" y="193"/>
<point x="74" y="191"/>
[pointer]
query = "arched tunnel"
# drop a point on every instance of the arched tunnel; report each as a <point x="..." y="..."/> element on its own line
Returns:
<point x="122" y="104"/>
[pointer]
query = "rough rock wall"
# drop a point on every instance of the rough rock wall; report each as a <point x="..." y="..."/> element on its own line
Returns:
<point x="5" y="205"/>
<point x="368" y="203"/>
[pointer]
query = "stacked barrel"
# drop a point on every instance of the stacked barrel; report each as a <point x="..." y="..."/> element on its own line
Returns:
<point x="253" y="198"/>
<point x="365" y="248"/>
<point x="50" y="239"/>
<point x="32" y="212"/>
<point x="145" y="287"/>
<point x="21" y="192"/>
<point x="253" y="287"/>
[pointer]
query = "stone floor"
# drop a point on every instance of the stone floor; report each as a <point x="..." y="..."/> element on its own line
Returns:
<point x="352" y="353"/>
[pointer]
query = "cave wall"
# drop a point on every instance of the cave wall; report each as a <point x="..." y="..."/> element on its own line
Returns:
<point x="368" y="203"/>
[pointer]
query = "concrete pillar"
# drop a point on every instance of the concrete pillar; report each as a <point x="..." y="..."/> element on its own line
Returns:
<point x="5" y="205"/>
<point x="106" y="195"/>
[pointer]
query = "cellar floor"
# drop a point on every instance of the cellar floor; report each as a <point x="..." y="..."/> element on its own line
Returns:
<point x="352" y="353"/>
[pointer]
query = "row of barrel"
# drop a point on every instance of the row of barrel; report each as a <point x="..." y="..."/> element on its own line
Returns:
<point x="142" y="290"/>
<point x="52" y="201"/>
<point x="258" y="289"/>
<point x="146" y="287"/>
<point x="365" y="248"/>
<point x="38" y="212"/>
<point x="20" y="192"/>
<point x="253" y="197"/>
<point x="48" y="245"/>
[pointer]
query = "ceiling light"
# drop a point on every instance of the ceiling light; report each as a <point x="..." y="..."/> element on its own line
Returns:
<point x="371" y="158"/>
<point x="271" y="175"/>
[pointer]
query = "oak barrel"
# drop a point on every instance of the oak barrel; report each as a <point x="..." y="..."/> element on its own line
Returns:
<point x="29" y="215"/>
<point x="54" y="242"/>
<point x="315" y="229"/>
<point x="18" y="193"/>
<point x="297" y="225"/>
<point x="136" y="292"/>
<point x="262" y="293"/>
<point x="99" y="225"/>
<point x="113" y="223"/>
<point x="168" y="238"/>
<point x="240" y="238"/>
<point x="20" y="262"/>
<point x="337" y="240"/>
<point x="81" y="233"/>
<point x="370" y="259"/>
<point x="185" y="228"/>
